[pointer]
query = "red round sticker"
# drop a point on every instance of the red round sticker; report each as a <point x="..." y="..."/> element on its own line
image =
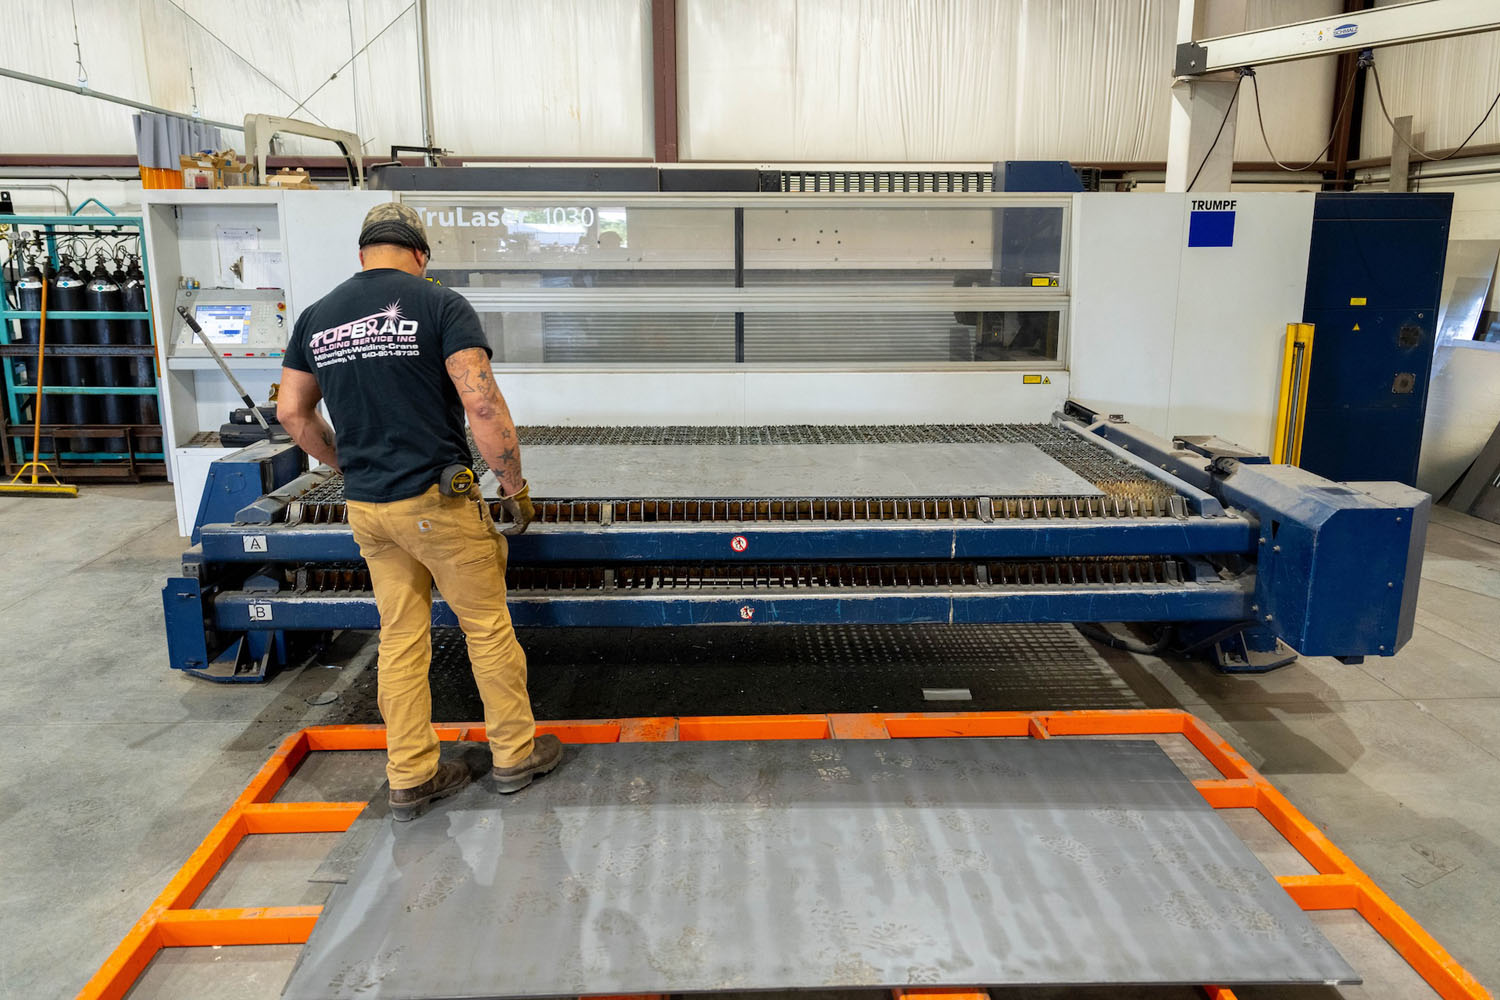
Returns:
<point x="747" y="612"/>
<point x="739" y="543"/>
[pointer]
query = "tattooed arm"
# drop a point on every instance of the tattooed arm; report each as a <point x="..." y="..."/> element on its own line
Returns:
<point x="489" y="417"/>
<point x="297" y="409"/>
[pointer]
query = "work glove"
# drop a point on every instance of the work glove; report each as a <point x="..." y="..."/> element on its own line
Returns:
<point x="519" y="509"/>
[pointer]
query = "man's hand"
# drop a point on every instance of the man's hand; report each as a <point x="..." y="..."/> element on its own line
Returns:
<point x="518" y="506"/>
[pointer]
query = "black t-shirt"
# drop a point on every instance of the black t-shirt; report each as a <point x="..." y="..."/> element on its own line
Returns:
<point x="377" y="344"/>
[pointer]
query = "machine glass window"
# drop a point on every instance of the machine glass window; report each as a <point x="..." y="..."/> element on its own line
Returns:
<point x="823" y="280"/>
<point x="573" y="244"/>
<point x="609" y="338"/>
<point x="907" y="338"/>
<point x="936" y="247"/>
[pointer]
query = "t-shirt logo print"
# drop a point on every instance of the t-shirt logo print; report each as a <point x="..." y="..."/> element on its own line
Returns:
<point x="383" y="334"/>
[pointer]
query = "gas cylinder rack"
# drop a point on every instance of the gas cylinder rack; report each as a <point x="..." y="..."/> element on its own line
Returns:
<point x="100" y="387"/>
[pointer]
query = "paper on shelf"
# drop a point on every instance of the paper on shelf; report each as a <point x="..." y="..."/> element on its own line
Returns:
<point x="263" y="269"/>
<point x="231" y="244"/>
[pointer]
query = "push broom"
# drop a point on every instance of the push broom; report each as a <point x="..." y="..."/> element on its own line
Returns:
<point x="35" y="487"/>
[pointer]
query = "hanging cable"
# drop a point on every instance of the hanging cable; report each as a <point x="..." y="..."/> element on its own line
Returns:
<point x="334" y="75"/>
<point x="353" y="74"/>
<point x="1368" y="59"/>
<point x="1224" y="121"/>
<point x="258" y="71"/>
<point x="83" y="74"/>
<point x="1338" y="116"/>
<point x="193" y="88"/>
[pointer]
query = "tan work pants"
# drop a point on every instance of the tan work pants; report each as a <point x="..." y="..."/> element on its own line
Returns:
<point x="408" y="545"/>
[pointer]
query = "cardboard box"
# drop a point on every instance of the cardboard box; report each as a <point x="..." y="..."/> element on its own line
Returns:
<point x="213" y="170"/>
<point x="294" y="179"/>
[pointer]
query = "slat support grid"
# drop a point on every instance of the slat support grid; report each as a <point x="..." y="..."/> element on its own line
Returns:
<point x="172" y="921"/>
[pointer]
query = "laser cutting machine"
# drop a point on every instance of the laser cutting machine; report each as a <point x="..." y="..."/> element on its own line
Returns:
<point x="772" y="409"/>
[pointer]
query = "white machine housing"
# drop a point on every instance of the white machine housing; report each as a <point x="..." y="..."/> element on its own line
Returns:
<point x="1181" y="339"/>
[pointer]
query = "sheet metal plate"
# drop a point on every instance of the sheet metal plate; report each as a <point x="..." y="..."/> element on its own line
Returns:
<point x="700" y="472"/>
<point x="685" y="867"/>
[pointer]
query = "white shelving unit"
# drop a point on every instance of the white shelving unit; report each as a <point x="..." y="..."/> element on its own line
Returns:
<point x="316" y="233"/>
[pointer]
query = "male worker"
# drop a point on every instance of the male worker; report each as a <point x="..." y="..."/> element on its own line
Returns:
<point x="399" y="361"/>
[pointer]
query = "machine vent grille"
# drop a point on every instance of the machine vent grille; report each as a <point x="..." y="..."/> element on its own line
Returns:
<point x="897" y="181"/>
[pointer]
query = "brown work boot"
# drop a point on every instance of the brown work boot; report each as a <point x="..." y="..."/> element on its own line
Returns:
<point x="407" y="803"/>
<point x="546" y="754"/>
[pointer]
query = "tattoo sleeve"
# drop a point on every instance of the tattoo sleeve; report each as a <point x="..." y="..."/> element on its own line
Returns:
<point x="489" y="416"/>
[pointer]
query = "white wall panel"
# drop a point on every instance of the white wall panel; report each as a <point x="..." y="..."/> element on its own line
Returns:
<point x="1444" y="85"/>
<point x="260" y="59"/>
<point x="884" y="80"/>
<point x="962" y="80"/>
<point x="38" y="40"/>
<point x="521" y="78"/>
<point x="513" y="77"/>
<point x="942" y="80"/>
<point x="388" y="107"/>
<point x="1296" y="98"/>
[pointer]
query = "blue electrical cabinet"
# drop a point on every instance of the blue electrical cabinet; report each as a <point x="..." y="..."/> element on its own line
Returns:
<point x="1374" y="277"/>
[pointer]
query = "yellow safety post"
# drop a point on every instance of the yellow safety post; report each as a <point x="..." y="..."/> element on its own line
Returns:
<point x="1291" y="406"/>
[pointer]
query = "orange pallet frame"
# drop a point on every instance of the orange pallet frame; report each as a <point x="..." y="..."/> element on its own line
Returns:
<point x="173" y="922"/>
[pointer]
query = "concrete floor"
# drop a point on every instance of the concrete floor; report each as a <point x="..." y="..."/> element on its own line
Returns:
<point x="116" y="766"/>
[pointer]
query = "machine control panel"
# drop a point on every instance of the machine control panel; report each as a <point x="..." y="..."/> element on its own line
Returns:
<point x="239" y="322"/>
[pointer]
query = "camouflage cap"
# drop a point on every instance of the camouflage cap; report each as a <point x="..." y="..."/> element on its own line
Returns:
<point x="396" y="223"/>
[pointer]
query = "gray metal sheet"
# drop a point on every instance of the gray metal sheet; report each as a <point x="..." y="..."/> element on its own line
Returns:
<point x="687" y="867"/>
<point x="586" y="472"/>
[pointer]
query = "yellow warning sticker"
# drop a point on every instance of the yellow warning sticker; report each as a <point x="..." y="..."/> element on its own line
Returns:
<point x="1356" y="326"/>
<point x="1038" y="281"/>
<point x="1036" y="380"/>
<point x="1357" y="300"/>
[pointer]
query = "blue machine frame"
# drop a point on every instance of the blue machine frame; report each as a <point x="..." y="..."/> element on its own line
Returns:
<point x="1271" y="553"/>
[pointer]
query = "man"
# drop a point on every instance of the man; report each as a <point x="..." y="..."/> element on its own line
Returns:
<point x="399" y="361"/>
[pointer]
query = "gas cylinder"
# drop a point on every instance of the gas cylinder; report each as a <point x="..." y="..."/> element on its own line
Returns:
<point x="29" y="297"/>
<point x="138" y="332"/>
<point x="66" y="295"/>
<point x="103" y="295"/>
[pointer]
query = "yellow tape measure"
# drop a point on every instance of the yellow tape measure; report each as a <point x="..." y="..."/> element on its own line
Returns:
<point x="456" y="481"/>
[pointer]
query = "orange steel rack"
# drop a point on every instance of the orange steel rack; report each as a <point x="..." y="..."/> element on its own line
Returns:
<point x="173" y="922"/>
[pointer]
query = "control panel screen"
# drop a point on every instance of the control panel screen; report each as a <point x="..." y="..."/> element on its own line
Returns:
<point x="224" y="324"/>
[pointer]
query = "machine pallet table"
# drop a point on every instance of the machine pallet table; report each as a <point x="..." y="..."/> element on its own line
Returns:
<point x="1085" y="519"/>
